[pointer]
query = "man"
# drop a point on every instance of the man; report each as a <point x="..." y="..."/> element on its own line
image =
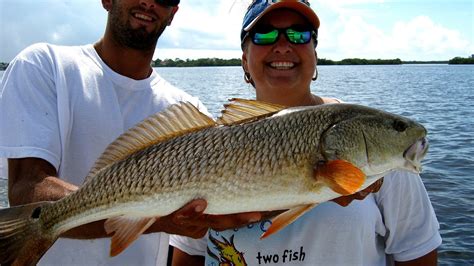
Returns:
<point x="61" y="106"/>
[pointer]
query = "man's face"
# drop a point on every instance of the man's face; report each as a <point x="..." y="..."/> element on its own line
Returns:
<point x="138" y="23"/>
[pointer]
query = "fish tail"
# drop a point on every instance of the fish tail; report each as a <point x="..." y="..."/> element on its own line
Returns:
<point x="23" y="241"/>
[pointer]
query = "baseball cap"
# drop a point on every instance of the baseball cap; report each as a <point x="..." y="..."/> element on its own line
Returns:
<point x="259" y="8"/>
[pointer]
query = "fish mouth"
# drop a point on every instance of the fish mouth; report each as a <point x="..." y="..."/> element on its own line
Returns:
<point x="414" y="154"/>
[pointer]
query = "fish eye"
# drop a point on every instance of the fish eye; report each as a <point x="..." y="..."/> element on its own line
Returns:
<point x="400" y="125"/>
<point x="36" y="213"/>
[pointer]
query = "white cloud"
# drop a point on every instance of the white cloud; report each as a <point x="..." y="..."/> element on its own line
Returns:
<point x="417" y="39"/>
<point x="210" y="25"/>
<point x="423" y="35"/>
<point x="344" y="7"/>
<point x="204" y="30"/>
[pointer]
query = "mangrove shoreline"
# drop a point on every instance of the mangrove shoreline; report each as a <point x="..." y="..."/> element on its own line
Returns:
<point x="210" y="62"/>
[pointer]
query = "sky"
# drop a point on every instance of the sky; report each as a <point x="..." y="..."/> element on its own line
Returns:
<point x="420" y="30"/>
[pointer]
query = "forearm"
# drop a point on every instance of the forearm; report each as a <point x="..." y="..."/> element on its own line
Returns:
<point x="49" y="189"/>
<point x="181" y="258"/>
<point x="32" y="180"/>
<point x="429" y="259"/>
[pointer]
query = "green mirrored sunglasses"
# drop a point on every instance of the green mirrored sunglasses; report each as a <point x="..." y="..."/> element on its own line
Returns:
<point x="269" y="36"/>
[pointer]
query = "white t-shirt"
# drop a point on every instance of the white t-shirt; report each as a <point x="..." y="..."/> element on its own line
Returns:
<point x="397" y="223"/>
<point x="65" y="105"/>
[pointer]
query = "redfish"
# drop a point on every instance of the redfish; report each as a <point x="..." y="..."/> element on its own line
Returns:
<point x="255" y="157"/>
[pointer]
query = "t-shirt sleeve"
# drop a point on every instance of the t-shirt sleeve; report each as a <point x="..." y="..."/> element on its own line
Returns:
<point x="193" y="247"/>
<point x="412" y="226"/>
<point x="199" y="105"/>
<point x="28" y="108"/>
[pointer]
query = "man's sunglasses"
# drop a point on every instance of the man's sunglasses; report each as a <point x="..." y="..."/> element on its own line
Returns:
<point x="167" y="2"/>
<point x="294" y="34"/>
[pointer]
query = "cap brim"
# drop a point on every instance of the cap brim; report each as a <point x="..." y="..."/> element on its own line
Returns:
<point x="299" y="7"/>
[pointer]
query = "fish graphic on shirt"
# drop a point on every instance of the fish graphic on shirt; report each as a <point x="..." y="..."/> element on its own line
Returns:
<point x="228" y="253"/>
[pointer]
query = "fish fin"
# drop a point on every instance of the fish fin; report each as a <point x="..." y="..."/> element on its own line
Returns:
<point x="286" y="218"/>
<point x="341" y="176"/>
<point x="241" y="110"/>
<point x="22" y="239"/>
<point x="125" y="230"/>
<point x="177" y="119"/>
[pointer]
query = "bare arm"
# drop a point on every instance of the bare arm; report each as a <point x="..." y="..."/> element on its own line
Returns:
<point x="346" y="200"/>
<point x="181" y="258"/>
<point x="430" y="259"/>
<point x="32" y="180"/>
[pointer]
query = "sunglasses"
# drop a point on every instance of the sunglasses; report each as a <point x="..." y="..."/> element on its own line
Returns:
<point x="294" y="34"/>
<point x="167" y="2"/>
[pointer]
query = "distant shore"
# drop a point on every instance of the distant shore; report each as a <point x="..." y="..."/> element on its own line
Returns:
<point x="209" y="62"/>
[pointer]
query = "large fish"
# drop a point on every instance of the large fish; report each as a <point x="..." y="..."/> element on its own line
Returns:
<point x="256" y="157"/>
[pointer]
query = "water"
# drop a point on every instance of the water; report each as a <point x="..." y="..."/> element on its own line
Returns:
<point x="439" y="96"/>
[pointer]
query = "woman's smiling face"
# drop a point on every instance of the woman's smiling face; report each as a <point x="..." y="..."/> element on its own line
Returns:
<point x="282" y="68"/>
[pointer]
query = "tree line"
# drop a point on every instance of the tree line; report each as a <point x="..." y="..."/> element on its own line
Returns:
<point x="321" y="61"/>
<point x="237" y="62"/>
<point x="460" y="60"/>
<point x="196" y="62"/>
<point x="3" y="66"/>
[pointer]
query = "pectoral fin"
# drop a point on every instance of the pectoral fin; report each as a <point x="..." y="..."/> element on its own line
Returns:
<point x="286" y="218"/>
<point x="341" y="176"/>
<point x="125" y="230"/>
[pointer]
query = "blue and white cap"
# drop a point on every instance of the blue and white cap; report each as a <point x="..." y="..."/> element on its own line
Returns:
<point x="259" y="8"/>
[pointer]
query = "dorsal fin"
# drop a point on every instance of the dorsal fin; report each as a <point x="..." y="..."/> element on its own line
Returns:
<point x="241" y="110"/>
<point x="178" y="119"/>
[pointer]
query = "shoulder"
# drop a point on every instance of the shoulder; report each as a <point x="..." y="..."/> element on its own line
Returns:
<point x="165" y="90"/>
<point x="42" y="50"/>
<point x="34" y="53"/>
<point x="403" y="191"/>
<point x="330" y="100"/>
<point x="402" y="180"/>
<point x="44" y="55"/>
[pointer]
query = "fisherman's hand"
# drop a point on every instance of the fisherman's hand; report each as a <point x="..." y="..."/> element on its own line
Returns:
<point x="346" y="200"/>
<point x="191" y="221"/>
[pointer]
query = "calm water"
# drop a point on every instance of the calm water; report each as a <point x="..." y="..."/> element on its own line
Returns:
<point x="439" y="96"/>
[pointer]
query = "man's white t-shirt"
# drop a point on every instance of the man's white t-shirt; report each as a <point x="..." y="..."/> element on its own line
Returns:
<point x="397" y="223"/>
<point x="65" y="105"/>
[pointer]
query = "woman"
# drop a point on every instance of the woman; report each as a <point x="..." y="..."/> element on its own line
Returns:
<point x="397" y="224"/>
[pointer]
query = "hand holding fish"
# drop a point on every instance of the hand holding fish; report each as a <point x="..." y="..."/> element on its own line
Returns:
<point x="346" y="200"/>
<point x="191" y="220"/>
